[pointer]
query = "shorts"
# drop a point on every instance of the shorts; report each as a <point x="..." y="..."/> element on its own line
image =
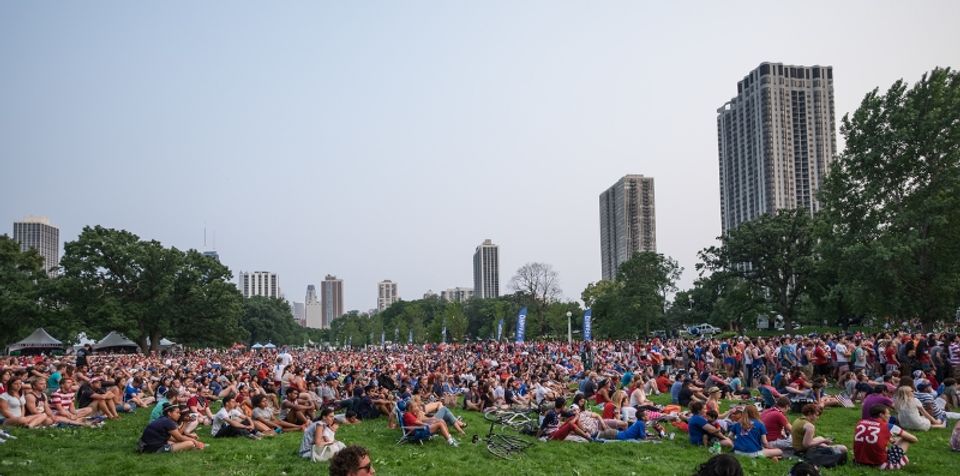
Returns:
<point x="155" y="449"/>
<point x="755" y="454"/>
<point x="421" y="434"/>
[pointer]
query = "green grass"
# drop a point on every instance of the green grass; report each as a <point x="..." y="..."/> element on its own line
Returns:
<point x="97" y="451"/>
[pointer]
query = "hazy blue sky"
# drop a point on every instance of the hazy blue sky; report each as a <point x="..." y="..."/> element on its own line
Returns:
<point x="386" y="139"/>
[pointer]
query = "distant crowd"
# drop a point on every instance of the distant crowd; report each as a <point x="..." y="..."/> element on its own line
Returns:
<point x="731" y="394"/>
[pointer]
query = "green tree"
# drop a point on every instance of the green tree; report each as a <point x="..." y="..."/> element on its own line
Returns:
<point x="21" y="278"/>
<point x="891" y="203"/>
<point x="773" y="254"/>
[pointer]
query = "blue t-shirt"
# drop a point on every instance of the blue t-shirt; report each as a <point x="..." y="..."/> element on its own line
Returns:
<point x="748" y="441"/>
<point x="636" y="431"/>
<point x="675" y="390"/>
<point x="695" y="426"/>
<point x="130" y="391"/>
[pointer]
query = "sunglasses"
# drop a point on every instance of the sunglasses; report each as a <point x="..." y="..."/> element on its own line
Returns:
<point x="366" y="467"/>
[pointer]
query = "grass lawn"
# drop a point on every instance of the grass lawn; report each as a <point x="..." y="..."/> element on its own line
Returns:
<point x="97" y="451"/>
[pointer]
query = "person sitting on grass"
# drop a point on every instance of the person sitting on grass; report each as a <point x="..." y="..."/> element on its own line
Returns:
<point x="133" y="393"/>
<point x="750" y="436"/>
<point x="93" y="396"/>
<point x="910" y="411"/>
<point x="879" y="443"/>
<point x="229" y="421"/>
<point x="412" y="420"/>
<point x="319" y="442"/>
<point x="778" y="427"/>
<point x="295" y="411"/>
<point x="13" y="406"/>
<point x="804" y="432"/>
<point x="570" y="429"/>
<point x="163" y="435"/>
<point x="61" y="402"/>
<point x="39" y="403"/>
<point x="265" y="418"/>
<point x="352" y="461"/>
<point x="702" y="433"/>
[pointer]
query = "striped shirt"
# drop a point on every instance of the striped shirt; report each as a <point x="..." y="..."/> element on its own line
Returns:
<point x="61" y="400"/>
<point x="955" y="353"/>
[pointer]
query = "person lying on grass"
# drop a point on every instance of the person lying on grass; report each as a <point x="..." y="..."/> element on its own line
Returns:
<point x="571" y="430"/>
<point x="635" y="432"/>
<point x="163" y="435"/>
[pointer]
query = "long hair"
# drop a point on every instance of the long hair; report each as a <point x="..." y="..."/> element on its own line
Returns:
<point x="902" y="398"/>
<point x="749" y="415"/>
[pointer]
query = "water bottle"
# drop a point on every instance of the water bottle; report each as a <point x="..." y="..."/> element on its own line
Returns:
<point x="715" y="449"/>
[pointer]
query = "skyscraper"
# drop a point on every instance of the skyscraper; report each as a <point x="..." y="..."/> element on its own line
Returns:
<point x="38" y="234"/>
<point x="486" y="270"/>
<point x="331" y="298"/>
<point x="313" y="310"/>
<point x="456" y="294"/>
<point x="777" y="139"/>
<point x="259" y="283"/>
<point x="299" y="313"/>
<point x="386" y="294"/>
<point x="628" y="222"/>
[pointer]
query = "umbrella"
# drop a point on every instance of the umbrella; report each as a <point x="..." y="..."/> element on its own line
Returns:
<point x="257" y="346"/>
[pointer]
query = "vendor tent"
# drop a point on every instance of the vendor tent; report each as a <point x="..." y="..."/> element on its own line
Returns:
<point x="116" y="342"/>
<point x="257" y="346"/>
<point x="36" y="342"/>
<point x="164" y="343"/>
<point x="269" y="346"/>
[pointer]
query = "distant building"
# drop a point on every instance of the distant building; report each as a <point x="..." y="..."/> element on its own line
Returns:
<point x="456" y="294"/>
<point x="299" y="313"/>
<point x="430" y="294"/>
<point x="313" y="310"/>
<point x="777" y="139"/>
<point x="628" y="222"/>
<point x="386" y="294"/>
<point x="212" y="254"/>
<point x="259" y="283"/>
<point x="486" y="270"/>
<point x="36" y="233"/>
<point x="331" y="299"/>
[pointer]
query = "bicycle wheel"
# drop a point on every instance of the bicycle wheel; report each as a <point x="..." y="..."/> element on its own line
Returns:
<point x="493" y="415"/>
<point x="499" y="451"/>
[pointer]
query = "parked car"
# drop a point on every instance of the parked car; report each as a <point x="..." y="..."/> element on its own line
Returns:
<point x="703" y="330"/>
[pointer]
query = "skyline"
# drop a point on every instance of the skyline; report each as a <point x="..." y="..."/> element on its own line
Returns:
<point x="389" y="140"/>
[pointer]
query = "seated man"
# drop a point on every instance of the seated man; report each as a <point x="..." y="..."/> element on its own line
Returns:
<point x="61" y="402"/>
<point x="295" y="411"/>
<point x="778" y="427"/>
<point x="551" y="420"/>
<point x="879" y="443"/>
<point x="352" y="461"/>
<point x="230" y="421"/>
<point x="265" y="417"/>
<point x="163" y="435"/>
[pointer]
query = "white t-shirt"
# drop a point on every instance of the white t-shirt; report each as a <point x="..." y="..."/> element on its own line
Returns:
<point x="220" y="418"/>
<point x="14" y="404"/>
<point x="841" y="351"/>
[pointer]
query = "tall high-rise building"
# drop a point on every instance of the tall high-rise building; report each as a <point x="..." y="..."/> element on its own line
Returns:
<point x="299" y="313"/>
<point x="456" y="294"/>
<point x="331" y="298"/>
<point x="628" y="222"/>
<point x="259" y="283"/>
<point x="777" y="139"/>
<point x="212" y="254"/>
<point x="386" y="294"/>
<point x="37" y="233"/>
<point x="313" y="310"/>
<point x="486" y="270"/>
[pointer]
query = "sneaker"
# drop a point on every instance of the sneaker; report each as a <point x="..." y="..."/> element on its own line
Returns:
<point x="454" y="443"/>
<point x="8" y="436"/>
<point x="253" y="436"/>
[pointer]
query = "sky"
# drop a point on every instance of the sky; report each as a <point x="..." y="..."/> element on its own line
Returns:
<point x="386" y="140"/>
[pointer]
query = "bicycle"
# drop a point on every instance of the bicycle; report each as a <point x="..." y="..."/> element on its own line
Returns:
<point x="504" y="446"/>
<point x="512" y="418"/>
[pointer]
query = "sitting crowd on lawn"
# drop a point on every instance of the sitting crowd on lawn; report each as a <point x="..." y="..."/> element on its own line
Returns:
<point x="730" y="394"/>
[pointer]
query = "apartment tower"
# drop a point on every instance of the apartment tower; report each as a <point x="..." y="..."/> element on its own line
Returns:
<point x="331" y="299"/>
<point x="628" y="222"/>
<point x="37" y="233"/>
<point x="777" y="139"/>
<point x="486" y="270"/>
<point x="259" y="283"/>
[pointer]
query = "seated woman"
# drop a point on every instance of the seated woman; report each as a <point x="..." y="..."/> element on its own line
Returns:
<point x="13" y="406"/>
<point x="804" y="432"/>
<point x="820" y="397"/>
<point x="319" y="442"/>
<point x="412" y="422"/>
<point x="163" y="435"/>
<point x="910" y="412"/>
<point x="442" y="414"/>
<point x="750" y="436"/>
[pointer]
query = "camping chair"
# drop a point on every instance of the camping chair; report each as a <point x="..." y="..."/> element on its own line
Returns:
<point x="409" y="434"/>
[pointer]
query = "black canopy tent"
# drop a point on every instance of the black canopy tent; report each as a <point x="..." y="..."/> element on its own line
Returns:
<point x="37" y="342"/>
<point x="115" y="342"/>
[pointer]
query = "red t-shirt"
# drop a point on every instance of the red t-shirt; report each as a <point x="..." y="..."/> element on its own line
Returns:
<point x="819" y="356"/>
<point x="609" y="411"/>
<point x="409" y="419"/>
<point x="870" y="442"/>
<point x="775" y="421"/>
<point x="663" y="384"/>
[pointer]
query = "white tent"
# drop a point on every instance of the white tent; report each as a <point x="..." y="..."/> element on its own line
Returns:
<point x="269" y="346"/>
<point x="257" y="346"/>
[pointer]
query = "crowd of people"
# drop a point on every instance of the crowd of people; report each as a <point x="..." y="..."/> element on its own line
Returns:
<point x="733" y="393"/>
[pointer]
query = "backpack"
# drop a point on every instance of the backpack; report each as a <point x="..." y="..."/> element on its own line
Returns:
<point x="825" y="457"/>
